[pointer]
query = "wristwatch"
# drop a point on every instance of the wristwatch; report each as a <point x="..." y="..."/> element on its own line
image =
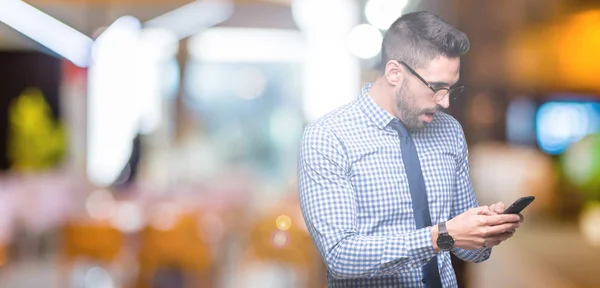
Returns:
<point x="444" y="241"/>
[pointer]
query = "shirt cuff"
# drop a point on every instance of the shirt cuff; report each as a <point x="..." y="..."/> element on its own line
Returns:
<point x="420" y="247"/>
<point x="407" y="252"/>
<point x="486" y="253"/>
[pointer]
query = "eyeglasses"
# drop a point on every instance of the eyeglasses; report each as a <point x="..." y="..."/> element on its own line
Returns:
<point x="438" y="93"/>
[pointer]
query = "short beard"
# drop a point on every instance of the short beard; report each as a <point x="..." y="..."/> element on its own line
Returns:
<point x="408" y="113"/>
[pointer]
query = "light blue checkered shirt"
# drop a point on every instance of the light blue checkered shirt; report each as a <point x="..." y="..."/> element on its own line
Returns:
<point x="356" y="202"/>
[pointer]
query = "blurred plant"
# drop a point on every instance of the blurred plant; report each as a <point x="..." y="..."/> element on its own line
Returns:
<point x="581" y="166"/>
<point x="36" y="141"/>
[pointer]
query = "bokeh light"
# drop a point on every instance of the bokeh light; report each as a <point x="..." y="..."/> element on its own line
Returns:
<point x="100" y="205"/>
<point x="283" y="222"/>
<point x="365" y="41"/>
<point x="128" y="217"/>
<point x="559" y="124"/>
<point x="382" y="13"/>
<point x="589" y="224"/>
<point x="505" y="173"/>
<point x="250" y="84"/>
<point x="280" y="239"/>
<point x="581" y="165"/>
<point x="164" y="216"/>
<point x="97" y="277"/>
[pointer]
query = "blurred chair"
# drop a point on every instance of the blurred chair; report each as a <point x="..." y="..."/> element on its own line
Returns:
<point x="175" y="252"/>
<point x="3" y="255"/>
<point x="280" y="237"/>
<point x="90" y="240"/>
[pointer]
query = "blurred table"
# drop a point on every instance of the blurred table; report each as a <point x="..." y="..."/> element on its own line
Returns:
<point x="541" y="254"/>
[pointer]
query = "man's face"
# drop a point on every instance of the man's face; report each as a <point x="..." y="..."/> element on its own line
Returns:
<point x="415" y="102"/>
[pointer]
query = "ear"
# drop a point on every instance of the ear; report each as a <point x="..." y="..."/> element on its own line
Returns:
<point x="394" y="73"/>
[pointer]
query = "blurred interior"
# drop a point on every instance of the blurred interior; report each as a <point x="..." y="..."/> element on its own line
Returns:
<point x="149" y="143"/>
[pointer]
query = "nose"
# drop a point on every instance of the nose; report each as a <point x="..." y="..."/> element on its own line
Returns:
<point x="445" y="101"/>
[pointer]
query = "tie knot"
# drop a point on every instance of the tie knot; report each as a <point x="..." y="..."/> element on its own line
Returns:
<point x="399" y="127"/>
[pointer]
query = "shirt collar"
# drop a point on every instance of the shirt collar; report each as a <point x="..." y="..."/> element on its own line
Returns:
<point x="378" y="115"/>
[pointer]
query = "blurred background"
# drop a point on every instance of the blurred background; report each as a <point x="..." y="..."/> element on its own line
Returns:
<point x="148" y="143"/>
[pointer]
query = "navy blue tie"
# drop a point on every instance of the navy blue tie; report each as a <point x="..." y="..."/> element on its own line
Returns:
<point x="418" y="193"/>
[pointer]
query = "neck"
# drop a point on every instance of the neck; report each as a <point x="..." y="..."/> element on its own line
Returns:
<point x="382" y="94"/>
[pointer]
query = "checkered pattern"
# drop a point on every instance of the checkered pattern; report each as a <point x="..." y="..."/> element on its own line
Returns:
<point x="356" y="202"/>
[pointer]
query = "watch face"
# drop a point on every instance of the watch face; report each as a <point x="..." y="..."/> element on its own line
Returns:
<point x="445" y="242"/>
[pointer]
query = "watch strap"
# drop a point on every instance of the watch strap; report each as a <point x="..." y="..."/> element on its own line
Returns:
<point x="442" y="228"/>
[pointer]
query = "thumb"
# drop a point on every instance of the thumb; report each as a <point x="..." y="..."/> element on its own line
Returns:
<point x="498" y="207"/>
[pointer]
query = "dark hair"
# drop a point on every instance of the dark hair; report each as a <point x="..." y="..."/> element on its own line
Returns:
<point x="417" y="38"/>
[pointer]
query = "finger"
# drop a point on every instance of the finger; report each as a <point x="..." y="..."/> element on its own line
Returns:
<point x="487" y="212"/>
<point x="501" y="237"/>
<point x="495" y="241"/>
<point x="481" y="209"/>
<point x="503" y="218"/>
<point x="522" y="218"/>
<point x="491" y="243"/>
<point x="493" y="231"/>
<point x="498" y="207"/>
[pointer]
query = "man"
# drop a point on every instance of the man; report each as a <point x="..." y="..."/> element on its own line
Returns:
<point x="384" y="181"/>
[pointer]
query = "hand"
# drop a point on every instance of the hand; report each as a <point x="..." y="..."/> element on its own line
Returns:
<point x="474" y="227"/>
<point x="498" y="208"/>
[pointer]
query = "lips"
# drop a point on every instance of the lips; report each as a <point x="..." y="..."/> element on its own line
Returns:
<point x="428" y="117"/>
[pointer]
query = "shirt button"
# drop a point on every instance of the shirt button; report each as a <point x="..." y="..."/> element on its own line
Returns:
<point x="423" y="280"/>
<point x="424" y="261"/>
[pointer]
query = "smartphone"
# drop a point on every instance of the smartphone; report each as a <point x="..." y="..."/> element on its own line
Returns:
<point x="519" y="205"/>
